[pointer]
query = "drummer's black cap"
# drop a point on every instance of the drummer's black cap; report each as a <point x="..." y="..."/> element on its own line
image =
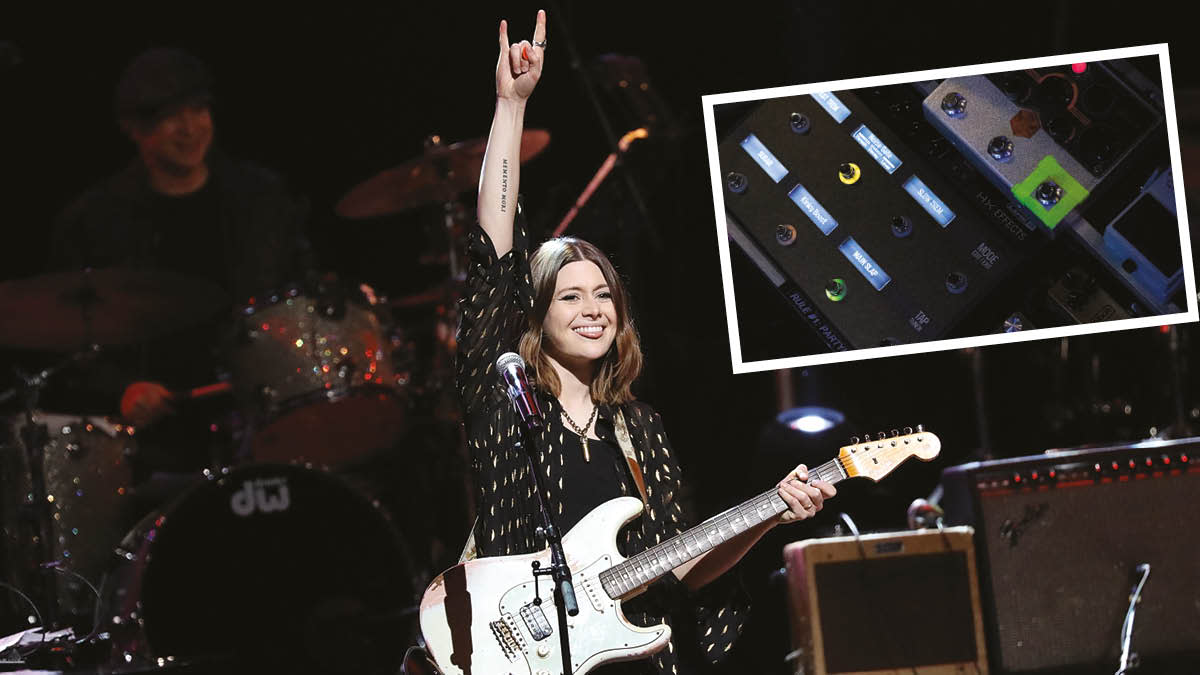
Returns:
<point x="158" y="81"/>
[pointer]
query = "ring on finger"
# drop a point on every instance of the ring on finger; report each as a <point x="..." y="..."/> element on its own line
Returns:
<point x="539" y="43"/>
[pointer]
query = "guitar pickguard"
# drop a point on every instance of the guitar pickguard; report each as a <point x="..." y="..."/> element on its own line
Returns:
<point x="599" y="633"/>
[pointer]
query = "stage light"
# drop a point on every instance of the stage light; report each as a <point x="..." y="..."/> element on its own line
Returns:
<point x="811" y="419"/>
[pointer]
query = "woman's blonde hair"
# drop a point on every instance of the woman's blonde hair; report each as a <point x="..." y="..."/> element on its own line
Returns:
<point x="622" y="364"/>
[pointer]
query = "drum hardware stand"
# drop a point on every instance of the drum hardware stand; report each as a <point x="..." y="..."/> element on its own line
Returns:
<point x="34" y="438"/>
<point x="560" y="573"/>
<point x="452" y="208"/>
<point x="610" y="136"/>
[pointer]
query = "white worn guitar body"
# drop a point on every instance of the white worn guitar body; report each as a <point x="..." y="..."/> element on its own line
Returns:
<point x="478" y="618"/>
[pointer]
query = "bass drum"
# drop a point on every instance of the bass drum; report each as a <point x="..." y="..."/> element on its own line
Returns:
<point x="267" y="566"/>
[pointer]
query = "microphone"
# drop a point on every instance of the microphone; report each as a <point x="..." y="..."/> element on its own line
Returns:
<point x="511" y="368"/>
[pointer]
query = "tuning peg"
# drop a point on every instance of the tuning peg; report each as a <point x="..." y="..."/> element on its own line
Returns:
<point x="854" y="440"/>
<point x="920" y="428"/>
<point x="907" y="431"/>
<point x="895" y="433"/>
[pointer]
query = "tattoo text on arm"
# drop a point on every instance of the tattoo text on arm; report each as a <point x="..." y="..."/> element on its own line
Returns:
<point x="504" y="185"/>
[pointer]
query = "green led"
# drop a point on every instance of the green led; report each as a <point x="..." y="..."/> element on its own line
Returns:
<point x="835" y="290"/>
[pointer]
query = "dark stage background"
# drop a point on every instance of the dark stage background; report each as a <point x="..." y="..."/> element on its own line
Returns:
<point x="330" y="97"/>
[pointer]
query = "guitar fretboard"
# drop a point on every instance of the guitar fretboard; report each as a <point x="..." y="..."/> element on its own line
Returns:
<point x="643" y="568"/>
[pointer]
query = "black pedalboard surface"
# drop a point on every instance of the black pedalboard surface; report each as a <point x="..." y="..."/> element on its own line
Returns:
<point x="883" y="246"/>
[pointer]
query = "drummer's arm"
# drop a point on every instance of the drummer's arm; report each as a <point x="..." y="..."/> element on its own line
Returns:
<point x="517" y="71"/>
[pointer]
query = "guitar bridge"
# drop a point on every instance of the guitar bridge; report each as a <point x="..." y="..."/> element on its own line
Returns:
<point x="506" y="633"/>
<point x="535" y="621"/>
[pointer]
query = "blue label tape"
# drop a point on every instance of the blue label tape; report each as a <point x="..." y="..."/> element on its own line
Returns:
<point x="864" y="263"/>
<point x="875" y="147"/>
<point x="813" y="209"/>
<point x="929" y="201"/>
<point x="836" y="109"/>
<point x="764" y="158"/>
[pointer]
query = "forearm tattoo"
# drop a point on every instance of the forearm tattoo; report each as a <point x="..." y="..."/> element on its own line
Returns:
<point x="504" y="185"/>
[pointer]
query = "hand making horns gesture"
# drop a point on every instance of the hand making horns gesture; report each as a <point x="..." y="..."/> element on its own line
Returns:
<point x="520" y="65"/>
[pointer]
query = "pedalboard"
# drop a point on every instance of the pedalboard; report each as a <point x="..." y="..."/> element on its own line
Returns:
<point x="902" y="213"/>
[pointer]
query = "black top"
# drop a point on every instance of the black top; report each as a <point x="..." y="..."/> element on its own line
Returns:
<point x="242" y="230"/>
<point x="593" y="481"/>
<point x="499" y="293"/>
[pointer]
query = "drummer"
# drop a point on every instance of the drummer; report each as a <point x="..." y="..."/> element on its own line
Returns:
<point x="182" y="206"/>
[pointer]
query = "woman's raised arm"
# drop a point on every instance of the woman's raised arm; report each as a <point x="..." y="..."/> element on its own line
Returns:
<point x="518" y="69"/>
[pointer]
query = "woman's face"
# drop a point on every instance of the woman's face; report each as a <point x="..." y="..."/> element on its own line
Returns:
<point x="581" y="322"/>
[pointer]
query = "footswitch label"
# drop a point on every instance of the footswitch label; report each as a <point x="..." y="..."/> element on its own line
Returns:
<point x="764" y="158"/>
<point x="864" y="263"/>
<point x="935" y="207"/>
<point x="875" y="147"/>
<point x="813" y="209"/>
<point x="836" y="109"/>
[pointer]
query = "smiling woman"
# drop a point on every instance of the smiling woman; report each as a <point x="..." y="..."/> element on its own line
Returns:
<point x="586" y="327"/>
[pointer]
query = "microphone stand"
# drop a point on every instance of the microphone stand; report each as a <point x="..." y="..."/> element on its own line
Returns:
<point x="565" y="602"/>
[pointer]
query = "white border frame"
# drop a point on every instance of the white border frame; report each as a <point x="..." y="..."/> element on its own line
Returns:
<point x="735" y="348"/>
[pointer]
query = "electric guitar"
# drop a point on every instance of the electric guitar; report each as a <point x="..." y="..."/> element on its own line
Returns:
<point x="480" y="618"/>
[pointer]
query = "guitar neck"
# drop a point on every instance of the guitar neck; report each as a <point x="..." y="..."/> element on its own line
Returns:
<point x="643" y="568"/>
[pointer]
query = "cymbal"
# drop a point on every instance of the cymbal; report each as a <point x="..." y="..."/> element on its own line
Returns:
<point x="440" y="175"/>
<point x="64" y="311"/>
<point x="441" y="294"/>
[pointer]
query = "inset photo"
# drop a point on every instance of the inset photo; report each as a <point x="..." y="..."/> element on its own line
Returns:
<point x="951" y="208"/>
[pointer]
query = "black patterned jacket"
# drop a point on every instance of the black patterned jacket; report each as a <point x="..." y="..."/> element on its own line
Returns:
<point x="499" y="293"/>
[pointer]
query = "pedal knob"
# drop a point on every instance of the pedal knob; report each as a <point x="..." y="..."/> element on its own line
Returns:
<point x="800" y="123"/>
<point x="849" y="173"/>
<point x="736" y="182"/>
<point x="1000" y="148"/>
<point x="1048" y="194"/>
<point x="785" y="234"/>
<point x="954" y="104"/>
<point x="835" y="289"/>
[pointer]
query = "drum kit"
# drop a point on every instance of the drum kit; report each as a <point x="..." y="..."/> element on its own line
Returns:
<point x="278" y="556"/>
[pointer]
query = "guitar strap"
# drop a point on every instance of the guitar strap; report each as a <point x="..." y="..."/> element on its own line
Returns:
<point x="626" y="444"/>
<point x="469" y="551"/>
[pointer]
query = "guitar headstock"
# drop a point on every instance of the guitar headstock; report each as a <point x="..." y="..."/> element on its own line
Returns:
<point x="875" y="458"/>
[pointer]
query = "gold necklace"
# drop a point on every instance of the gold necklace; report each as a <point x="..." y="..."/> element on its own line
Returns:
<point x="583" y="433"/>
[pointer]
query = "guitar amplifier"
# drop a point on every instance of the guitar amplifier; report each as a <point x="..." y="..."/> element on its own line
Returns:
<point x="904" y="602"/>
<point x="1061" y="536"/>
